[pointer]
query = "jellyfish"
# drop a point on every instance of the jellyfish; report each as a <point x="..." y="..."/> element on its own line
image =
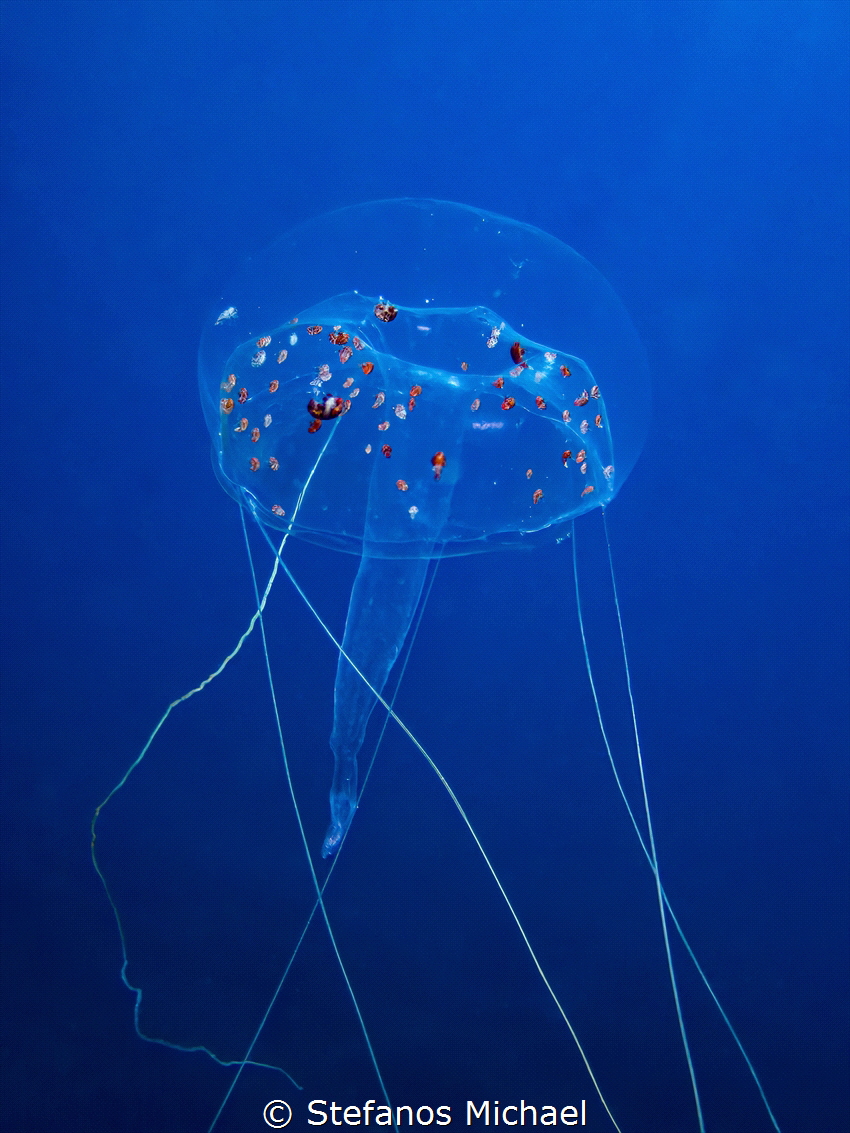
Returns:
<point x="448" y="383"/>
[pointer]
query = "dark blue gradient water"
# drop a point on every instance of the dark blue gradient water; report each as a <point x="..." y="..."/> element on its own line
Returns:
<point x="696" y="155"/>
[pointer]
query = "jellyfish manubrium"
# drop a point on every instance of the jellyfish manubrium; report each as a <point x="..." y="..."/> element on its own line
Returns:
<point x="410" y="380"/>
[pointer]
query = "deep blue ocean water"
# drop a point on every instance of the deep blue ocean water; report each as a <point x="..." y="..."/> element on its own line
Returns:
<point x="696" y="154"/>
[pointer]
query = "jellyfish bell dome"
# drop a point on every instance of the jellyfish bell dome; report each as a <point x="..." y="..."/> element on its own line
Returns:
<point x="418" y="374"/>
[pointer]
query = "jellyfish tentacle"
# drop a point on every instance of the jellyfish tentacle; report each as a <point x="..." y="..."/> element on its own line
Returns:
<point x="383" y="601"/>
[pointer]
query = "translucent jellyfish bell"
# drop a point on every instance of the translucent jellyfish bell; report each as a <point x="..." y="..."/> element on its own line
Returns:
<point x="521" y="350"/>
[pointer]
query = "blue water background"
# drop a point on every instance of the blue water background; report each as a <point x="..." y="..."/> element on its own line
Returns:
<point x="696" y="153"/>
